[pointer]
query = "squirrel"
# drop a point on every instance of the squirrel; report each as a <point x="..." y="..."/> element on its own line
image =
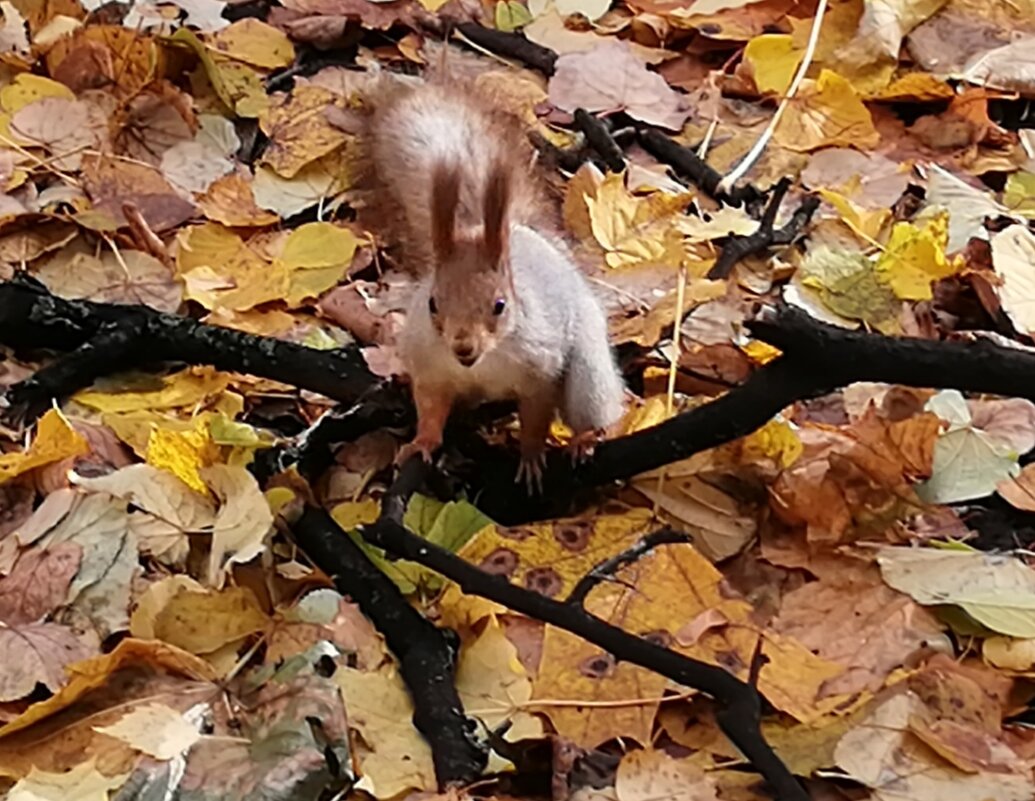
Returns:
<point x="500" y="311"/>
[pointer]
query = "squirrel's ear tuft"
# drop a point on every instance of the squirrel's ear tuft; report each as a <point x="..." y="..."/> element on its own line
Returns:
<point x="497" y="207"/>
<point x="445" y="195"/>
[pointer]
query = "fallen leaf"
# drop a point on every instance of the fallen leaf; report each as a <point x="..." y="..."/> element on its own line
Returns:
<point x="393" y="756"/>
<point x="242" y="523"/>
<point x="55" y="440"/>
<point x="612" y="78"/>
<point x="298" y="130"/>
<point x="881" y="754"/>
<point x="154" y="729"/>
<point x="203" y="622"/>
<point x="38" y="653"/>
<point x="254" y="42"/>
<point x="494" y="687"/>
<point x="122" y="276"/>
<point x="649" y="774"/>
<point x="772" y="60"/>
<point x="826" y="112"/>
<point x="38" y="583"/>
<point x="998" y="591"/>
<point x="83" y="782"/>
<point x="1013" y="255"/>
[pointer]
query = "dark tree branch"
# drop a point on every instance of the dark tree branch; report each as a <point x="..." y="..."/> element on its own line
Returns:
<point x="312" y="451"/>
<point x="568" y="159"/>
<point x="738" y="247"/>
<point x="689" y="165"/>
<point x="600" y="139"/>
<point x="607" y="568"/>
<point x="818" y="358"/>
<point x="510" y="45"/>
<point x="426" y="654"/>
<point x="105" y="337"/>
<point x="741" y="712"/>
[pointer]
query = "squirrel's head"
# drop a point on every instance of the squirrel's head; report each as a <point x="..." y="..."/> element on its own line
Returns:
<point x="472" y="291"/>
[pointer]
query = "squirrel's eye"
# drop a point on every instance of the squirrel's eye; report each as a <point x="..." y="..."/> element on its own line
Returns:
<point x="499" y="306"/>
<point x="432" y="306"/>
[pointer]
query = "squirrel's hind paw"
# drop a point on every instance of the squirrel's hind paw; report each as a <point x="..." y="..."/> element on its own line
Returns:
<point x="530" y="471"/>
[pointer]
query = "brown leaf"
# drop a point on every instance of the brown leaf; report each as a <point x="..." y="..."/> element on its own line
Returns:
<point x="37" y="652"/>
<point x="38" y="584"/>
<point x="154" y="121"/>
<point x="123" y="276"/>
<point x="1020" y="490"/>
<point x="868" y="628"/>
<point x="380" y="16"/>
<point x="64" y="127"/>
<point x="111" y="182"/>
<point x="230" y="201"/>
<point x="15" y="506"/>
<point x="611" y="78"/>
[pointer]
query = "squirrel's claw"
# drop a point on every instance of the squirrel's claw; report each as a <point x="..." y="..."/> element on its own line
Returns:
<point x="583" y="445"/>
<point x="530" y="471"/>
<point x="425" y="447"/>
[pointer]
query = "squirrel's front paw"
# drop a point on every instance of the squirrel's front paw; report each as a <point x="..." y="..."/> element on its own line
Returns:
<point x="425" y="446"/>
<point x="530" y="471"/>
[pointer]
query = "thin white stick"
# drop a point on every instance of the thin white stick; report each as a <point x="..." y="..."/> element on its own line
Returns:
<point x="755" y="153"/>
<point x="673" y="368"/>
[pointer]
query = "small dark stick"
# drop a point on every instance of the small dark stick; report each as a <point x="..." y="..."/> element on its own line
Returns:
<point x="511" y="45"/>
<point x="600" y="139"/>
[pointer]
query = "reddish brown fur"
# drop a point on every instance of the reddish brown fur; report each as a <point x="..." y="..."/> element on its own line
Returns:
<point x="401" y="201"/>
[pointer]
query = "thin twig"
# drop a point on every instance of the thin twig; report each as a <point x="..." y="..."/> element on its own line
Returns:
<point x="746" y="163"/>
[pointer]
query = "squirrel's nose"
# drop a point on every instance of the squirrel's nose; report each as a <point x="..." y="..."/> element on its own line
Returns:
<point x="465" y="354"/>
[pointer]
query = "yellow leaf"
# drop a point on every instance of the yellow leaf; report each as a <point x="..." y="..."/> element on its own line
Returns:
<point x="82" y="783"/>
<point x="1008" y="653"/>
<point x="583" y="185"/>
<point x="28" y="88"/>
<point x="230" y="201"/>
<point x="1019" y="194"/>
<point x="319" y="244"/>
<point x="511" y="15"/>
<point x="391" y="754"/>
<point x="189" y="387"/>
<point x="254" y="42"/>
<point x="827" y="112"/>
<point x="633" y="230"/>
<point x="775" y="440"/>
<point x="868" y="223"/>
<point x="432" y="5"/>
<point x="353" y="514"/>
<point x="773" y="60"/>
<point x="202" y="622"/>
<point x="299" y="130"/>
<point x="55" y="440"/>
<point x="220" y="271"/>
<point x="915" y="257"/>
<point x="238" y="86"/>
<point x="183" y="453"/>
<point x="761" y="352"/>
<point x="848" y="285"/>
<point x="314" y="183"/>
<point x="917" y="87"/>
<point x="494" y="687"/>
